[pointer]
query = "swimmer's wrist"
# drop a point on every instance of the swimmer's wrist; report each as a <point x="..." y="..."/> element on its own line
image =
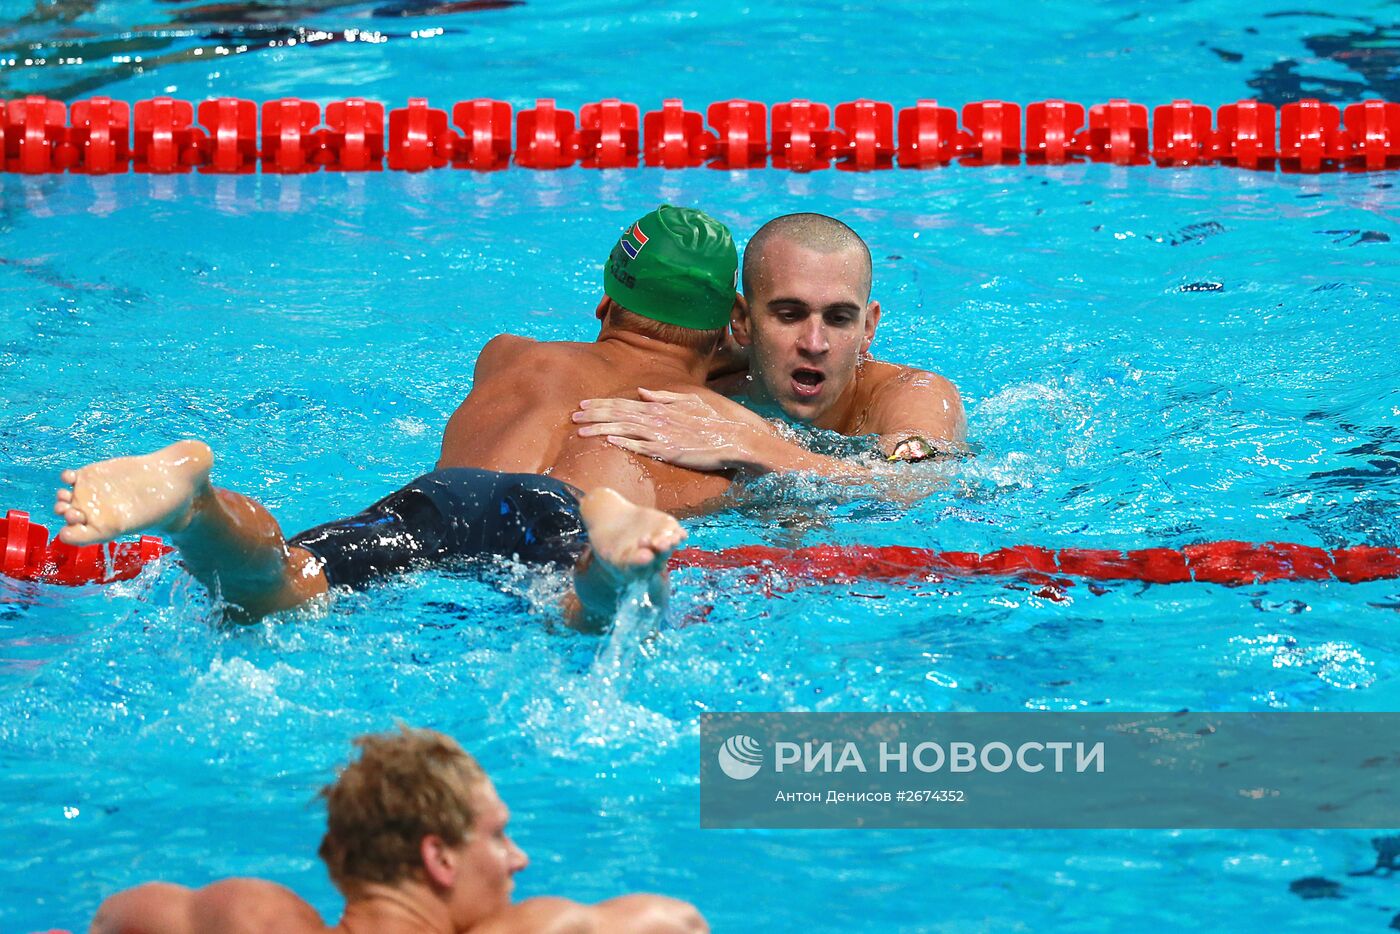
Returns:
<point x="760" y="452"/>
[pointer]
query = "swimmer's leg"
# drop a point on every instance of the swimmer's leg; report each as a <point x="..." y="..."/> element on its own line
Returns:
<point x="230" y="543"/>
<point x="627" y="543"/>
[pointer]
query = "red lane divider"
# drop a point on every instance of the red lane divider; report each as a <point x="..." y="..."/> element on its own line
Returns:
<point x="27" y="553"/>
<point x="1225" y="562"/>
<point x="233" y="136"/>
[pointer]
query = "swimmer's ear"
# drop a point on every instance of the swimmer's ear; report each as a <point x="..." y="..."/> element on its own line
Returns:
<point x="739" y="320"/>
<point x="439" y="860"/>
<point x="872" y="321"/>
<point x="601" y="311"/>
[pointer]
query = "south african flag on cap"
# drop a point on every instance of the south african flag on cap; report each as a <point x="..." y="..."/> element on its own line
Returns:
<point x="633" y="241"/>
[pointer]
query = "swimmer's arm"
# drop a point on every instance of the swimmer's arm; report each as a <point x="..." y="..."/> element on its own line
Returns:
<point x="918" y="415"/>
<point x="630" y="914"/>
<point x="706" y="434"/>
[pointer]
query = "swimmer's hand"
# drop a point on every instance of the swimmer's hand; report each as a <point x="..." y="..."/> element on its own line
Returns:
<point x="680" y="428"/>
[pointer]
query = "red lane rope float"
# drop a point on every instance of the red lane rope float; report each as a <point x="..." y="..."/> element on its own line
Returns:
<point x="234" y="136"/>
<point x="29" y="554"/>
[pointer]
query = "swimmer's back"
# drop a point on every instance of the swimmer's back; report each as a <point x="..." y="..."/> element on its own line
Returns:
<point x="517" y="419"/>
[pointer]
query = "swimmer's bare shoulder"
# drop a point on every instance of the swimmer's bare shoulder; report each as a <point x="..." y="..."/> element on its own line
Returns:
<point x="629" y="914"/>
<point x="231" y="906"/>
<point x="904" y="402"/>
<point x="524" y="363"/>
<point x="521" y="392"/>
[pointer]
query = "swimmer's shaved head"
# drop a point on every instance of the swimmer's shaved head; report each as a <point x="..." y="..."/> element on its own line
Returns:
<point x="815" y="232"/>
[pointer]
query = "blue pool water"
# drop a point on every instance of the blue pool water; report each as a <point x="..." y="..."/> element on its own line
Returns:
<point x="317" y="331"/>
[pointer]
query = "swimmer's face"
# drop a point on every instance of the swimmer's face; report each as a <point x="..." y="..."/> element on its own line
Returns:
<point x="808" y="324"/>
<point x="487" y="861"/>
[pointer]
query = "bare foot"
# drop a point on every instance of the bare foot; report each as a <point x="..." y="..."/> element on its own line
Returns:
<point x="128" y="494"/>
<point x="625" y="535"/>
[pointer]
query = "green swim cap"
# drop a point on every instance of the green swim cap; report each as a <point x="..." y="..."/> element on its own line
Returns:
<point x="676" y="265"/>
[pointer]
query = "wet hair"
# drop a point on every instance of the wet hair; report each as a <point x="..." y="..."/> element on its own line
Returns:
<point x="812" y="231"/>
<point x="689" y="338"/>
<point x="405" y="786"/>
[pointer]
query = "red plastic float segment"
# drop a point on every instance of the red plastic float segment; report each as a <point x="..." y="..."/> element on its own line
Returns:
<point x="1246" y="135"/>
<point x="864" y="137"/>
<point x="1181" y="134"/>
<point x="609" y="137"/>
<point x="993" y="133"/>
<point x="1308" y="135"/>
<point x="1229" y="562"/>
<point x="101" y="136"/>
<point x="163" y="138"/>
<point x="1019" y="559"/>
<point x="231" y="147"/>
<point x="675" y="138"/>
<point x="928" y="135"/>
<point x="1223" y="562"/>
<point x="1365" y="563"/>
<point x="1373" y="134"/>
<point x="1157" y="565"/>
<point x="418" y="137"/>
<point x="1096" y="563"/>
<point x="892" y="562"/>
<point x="1118" y="133"/>
<point x="71" y="564"/>
<point x="545" y="137"/>
<point x="1303" y="562"/>
<point x="958" y="562"/>
<point x="743" y="556"/>
<point x="35" y="128"/>
<point x="1053" y="128"/>
<point x="353" y="140"/>
<point x="801" y="136"/>
<point x="289" y="140"/>
<point x="486" y="126"/>
<point x="24" y="545"/>
<point x="741" y="134"/>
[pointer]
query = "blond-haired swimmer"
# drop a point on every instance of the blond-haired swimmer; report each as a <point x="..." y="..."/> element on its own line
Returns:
<point x="416" y="842"/>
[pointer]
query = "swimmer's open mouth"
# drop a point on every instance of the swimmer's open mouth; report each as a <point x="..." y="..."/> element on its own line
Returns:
<point x="807" y="382"/>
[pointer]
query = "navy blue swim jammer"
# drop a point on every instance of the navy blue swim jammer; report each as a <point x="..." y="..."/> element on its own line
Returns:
<point x="454" y="514"/>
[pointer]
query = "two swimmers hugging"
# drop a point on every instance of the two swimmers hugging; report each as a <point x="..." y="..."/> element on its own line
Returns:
<point x="590" y="467"/>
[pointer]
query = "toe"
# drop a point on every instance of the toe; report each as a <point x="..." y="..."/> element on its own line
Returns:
<point x="65" y="495"/>
<point x="69" y="477"/>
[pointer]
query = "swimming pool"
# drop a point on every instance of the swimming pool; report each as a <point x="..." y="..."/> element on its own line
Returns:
<point x="317" y="331"/>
